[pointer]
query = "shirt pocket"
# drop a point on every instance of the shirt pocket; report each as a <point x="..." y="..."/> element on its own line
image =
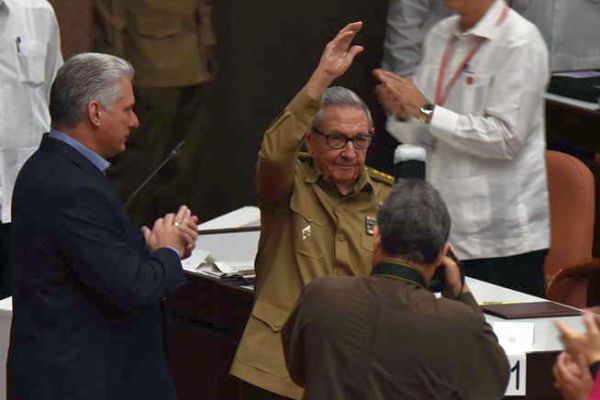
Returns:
<point x="157" y="26"/>
<point x="262" y="347"/>
<point x="31" y="57"/>
<point x="310" y="228"/>
<point x="474" y="90"/>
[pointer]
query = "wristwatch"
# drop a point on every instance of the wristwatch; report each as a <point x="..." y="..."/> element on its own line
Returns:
<point x="426" y="112"/>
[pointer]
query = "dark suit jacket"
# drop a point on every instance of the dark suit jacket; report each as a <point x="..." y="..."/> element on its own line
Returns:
<point x="87" y="321"/>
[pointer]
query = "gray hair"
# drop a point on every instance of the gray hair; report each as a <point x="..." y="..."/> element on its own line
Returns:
<point x="340" y="96"/>
<point x="414" y="223"/>
<point x="83" y="78"/>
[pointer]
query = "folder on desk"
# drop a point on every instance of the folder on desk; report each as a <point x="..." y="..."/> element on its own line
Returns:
<point x="538" y="309"/>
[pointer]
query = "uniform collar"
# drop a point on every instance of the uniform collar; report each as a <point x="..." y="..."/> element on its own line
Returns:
<point x="313" y="175"/>
<point x="487" y="26"/>
<point x="403" y="271"/>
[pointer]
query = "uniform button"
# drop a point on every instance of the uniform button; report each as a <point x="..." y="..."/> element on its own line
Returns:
<point x="341" y="237"/>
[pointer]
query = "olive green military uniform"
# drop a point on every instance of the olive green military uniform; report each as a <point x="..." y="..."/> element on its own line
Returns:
<point x="308" y="230"/>
<point x="165" y="41"/>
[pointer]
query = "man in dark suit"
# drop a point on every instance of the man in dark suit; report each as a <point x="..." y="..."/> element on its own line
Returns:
<point x="87" y="320"/>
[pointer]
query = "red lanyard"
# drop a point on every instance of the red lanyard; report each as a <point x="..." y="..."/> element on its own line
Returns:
<point x="441" y="93"/>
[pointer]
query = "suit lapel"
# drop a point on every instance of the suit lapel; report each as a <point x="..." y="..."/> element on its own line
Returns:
<point x="56" y="146"/>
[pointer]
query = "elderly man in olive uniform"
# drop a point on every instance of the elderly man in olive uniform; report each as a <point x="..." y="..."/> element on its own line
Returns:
<point x="172" y="46"/>
<point x="317" y="210"/>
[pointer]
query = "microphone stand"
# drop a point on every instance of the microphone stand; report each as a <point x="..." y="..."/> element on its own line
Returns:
<point x="171" y="155"/>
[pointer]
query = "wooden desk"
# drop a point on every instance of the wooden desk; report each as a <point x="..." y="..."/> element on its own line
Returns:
<point x="206" y="317"/>
<point x="205" y="320"/>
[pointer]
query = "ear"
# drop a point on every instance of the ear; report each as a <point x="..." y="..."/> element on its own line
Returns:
<point x="308" y="141"/>
<point x="94" y="111"/>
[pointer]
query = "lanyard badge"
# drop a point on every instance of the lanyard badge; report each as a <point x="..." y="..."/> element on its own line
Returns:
<point x="441" y="92"/>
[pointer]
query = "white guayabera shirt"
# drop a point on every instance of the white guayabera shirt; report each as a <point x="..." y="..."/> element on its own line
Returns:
<point x="485" y="144"/>
<point x="29" y="59"/>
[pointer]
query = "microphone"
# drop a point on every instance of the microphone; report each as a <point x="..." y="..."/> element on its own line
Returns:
<point x="171" y="155"/>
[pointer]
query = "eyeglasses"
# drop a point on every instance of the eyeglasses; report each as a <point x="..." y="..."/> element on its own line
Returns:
<point x="338" y="141"/>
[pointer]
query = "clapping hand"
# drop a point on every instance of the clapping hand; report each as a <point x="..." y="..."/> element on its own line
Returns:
<point x="571" y="369"/>
<point x="587" y="343"/>
<point x="572" y="377"/>
<point x="400" y="96"/>
<point x="178" y="231"/>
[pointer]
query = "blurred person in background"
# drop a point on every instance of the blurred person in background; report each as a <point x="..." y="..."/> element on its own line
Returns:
<point x="172" y="46"/>
<point x="29" y="58"/>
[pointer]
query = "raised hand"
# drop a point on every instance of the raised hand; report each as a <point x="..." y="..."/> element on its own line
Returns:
<point x="335" y="60"/>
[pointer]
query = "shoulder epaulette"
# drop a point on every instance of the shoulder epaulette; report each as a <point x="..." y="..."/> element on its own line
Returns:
<point x="380" y="176"/>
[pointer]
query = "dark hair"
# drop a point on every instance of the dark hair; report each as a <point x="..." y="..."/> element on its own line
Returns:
<point x="83" y="78"/>
<point x="414" y="223"/>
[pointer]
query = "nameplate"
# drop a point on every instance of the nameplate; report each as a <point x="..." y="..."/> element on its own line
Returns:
<point x="517" y="384"/>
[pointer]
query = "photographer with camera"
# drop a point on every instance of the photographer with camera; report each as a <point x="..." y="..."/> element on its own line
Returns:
<point x="387" y="336"/>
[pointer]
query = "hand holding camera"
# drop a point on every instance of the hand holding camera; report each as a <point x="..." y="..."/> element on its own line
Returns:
<point x="449" y="278"/>
<point x="454" y="277"/>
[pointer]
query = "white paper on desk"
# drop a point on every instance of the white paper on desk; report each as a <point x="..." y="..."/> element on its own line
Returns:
<point x="197" y="258"/>
<point x="209" y="269"/>
<point x="234" y="267"/>
<point x="514" y="337"/>
<point x="578" y="74"/>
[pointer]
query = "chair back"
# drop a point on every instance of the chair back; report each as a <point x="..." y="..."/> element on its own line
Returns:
<point x="571" y="193"/>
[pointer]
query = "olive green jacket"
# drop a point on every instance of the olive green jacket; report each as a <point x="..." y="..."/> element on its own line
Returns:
<point x="165" y="41"/>
<point x="307" y="230"/>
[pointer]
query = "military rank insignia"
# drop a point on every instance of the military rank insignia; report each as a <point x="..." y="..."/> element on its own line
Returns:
<point x="370" y="223"/>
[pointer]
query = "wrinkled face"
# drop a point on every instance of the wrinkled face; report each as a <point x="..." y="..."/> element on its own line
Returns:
<point x="339" y="166"/>
<point x="117" y="122"/>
